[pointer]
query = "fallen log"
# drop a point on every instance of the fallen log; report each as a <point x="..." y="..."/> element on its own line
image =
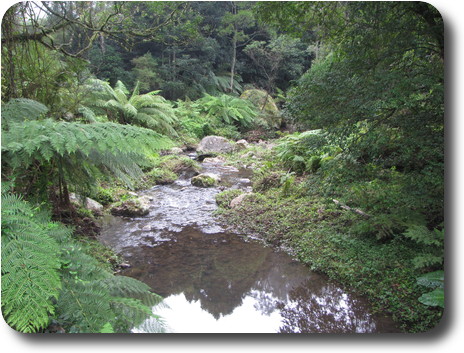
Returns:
<point x="348" y="208"/>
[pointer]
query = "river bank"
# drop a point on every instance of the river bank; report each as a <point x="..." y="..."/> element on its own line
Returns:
<point x="284" y="212"/>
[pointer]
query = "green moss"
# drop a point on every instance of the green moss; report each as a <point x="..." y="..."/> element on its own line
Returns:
<point x="107" y="195"/>
<point x="104" y="196"/>
<point x="160" y="177"/>
<point x="204" y="181"/>
<point x="266" y="181"/>
<point x="178" y="164"/>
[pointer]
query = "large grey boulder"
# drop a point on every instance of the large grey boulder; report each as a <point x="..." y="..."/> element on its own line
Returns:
<point x="214" y="144"/>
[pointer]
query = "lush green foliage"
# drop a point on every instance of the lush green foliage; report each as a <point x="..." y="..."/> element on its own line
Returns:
<point x="21" y="109"/>
<point x="306" y="151"/>
<point x="363" y="178"/>
<point x="192" y="121"/>
<point x="434" y="280"/>
<point x="382" y="105"/>
<point x="432" y="253"/>
<point x="48" y="276"/>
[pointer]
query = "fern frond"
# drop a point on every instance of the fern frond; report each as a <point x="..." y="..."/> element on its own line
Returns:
<point x="88" y="114"/>
<point x="229" y="109"/>
<point x="41" y="141"/>
<point x="20" y="109"/>
<point x="135" y="91"/>
<point x="131" y="310"/>
<point x="162" y="115"/>
<point x="120" y="86"/>
<point x="83" y="305"/>
<point x="129" y="287"/>
<point x="45" y="273"/>
<point x="30" y="266"/>
<point x="129" y="110"/>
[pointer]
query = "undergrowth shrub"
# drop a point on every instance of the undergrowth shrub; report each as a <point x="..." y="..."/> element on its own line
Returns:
<point x="306" y="151"/>
<point x="191" y="121"/>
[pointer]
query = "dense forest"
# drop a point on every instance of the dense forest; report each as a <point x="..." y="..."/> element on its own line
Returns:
<point x="342" y="104"/>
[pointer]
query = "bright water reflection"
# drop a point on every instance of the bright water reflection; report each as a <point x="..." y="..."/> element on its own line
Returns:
<point x="214" y="281"/>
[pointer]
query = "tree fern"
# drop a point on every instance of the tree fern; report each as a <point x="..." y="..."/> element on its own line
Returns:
<point x="230" y="109"/>
<point x="77" y="152"/>
<point x="148" y="110"/>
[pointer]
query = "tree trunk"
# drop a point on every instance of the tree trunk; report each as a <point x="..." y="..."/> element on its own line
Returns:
<point x="234" y="49"/>
<point x="234" y="60"/>
<point x="7" y="31"/>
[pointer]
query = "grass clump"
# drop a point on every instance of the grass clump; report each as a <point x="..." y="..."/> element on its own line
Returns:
<point x="224" y="198"/>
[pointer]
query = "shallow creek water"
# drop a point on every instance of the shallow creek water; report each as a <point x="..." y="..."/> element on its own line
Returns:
<point x="216" y="281"/>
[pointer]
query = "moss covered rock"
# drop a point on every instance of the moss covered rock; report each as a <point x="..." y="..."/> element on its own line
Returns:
<point x="266" y="105"/>
<point x="179" y="164"/>
<point x="131" y="208"/>
<point x="205" y="180"/>
<point x="160" y="176"/>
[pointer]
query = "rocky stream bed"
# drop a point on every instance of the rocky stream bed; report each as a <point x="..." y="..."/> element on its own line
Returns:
<point x="215" y="280"/>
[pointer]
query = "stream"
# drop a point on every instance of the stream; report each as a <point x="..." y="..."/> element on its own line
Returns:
<point x="214" y="280"/>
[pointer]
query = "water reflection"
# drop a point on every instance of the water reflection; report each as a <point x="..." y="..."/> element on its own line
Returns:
<point x="219" y="283"/>
<point x="327" y="308"/>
